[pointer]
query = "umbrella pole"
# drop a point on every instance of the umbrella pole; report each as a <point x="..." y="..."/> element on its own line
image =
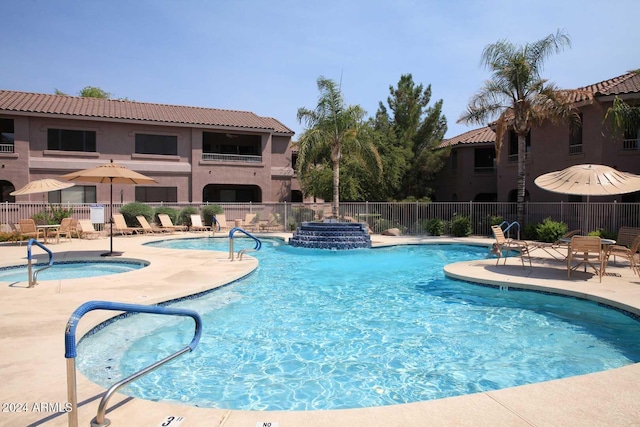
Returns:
<point x="110" y="253"/>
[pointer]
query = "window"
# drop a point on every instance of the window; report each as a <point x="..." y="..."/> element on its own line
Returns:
<point x="575" y="137"/>
<point x="454" y="159"/>
<point x="294" y="160"/>
<point x="71" y="140"/>
<point x="6" y="136"/>
<point x="483" y="160"/>
<point x="513" y="146"/>
<point x="75" y="194"/>
<point x="156" y="194"/>
<point x="630" y="141"/>
<point x="166" y="145"/>
<point x="231" y="147"/>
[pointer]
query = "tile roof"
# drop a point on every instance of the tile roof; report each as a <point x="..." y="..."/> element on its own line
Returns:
<point x="624" y="84"/>
<point x="475" y="136"/>
<point x="80" y="107"/>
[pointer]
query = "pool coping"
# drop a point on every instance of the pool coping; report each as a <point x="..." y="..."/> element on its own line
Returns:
<point x="33" y="370"/>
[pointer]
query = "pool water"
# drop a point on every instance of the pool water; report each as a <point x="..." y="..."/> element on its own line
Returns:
<point x="69" y="270"/>
<point x="314" y="329"/>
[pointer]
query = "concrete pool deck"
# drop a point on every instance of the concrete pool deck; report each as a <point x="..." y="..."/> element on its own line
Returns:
<point x="33" y="367"/>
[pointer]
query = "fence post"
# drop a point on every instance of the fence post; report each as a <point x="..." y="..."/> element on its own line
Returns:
<point x="285" y="216"/>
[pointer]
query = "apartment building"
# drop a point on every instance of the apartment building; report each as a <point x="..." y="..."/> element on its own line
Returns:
<point x="473" y="174"/>
<point x="195" y="154"/>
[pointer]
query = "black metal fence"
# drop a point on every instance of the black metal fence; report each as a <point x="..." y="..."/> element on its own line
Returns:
<point x="410" y="217"/>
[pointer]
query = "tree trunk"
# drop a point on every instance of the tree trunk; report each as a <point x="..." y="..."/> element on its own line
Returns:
<point x="522" y="175"/>
<point x="336" y="189"/>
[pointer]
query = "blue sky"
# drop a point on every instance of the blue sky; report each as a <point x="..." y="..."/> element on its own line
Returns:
<point x="265" y="56"/>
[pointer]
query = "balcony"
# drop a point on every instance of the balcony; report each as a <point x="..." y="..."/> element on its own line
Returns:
<point x="231" y="158"/>
<point x="6" y="148"/>
<point x="630" y="144"/>
<point x="484" y="170"/>
<point x="513" y="158"/>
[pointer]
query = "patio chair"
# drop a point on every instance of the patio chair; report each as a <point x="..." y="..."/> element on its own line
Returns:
<point x="86" y="229"/>
<point x="167" y="224"/>
<point x="120" y="226"/>
<point x="586" y="250"/>
<point x="65" y="229"/>
<point x="627" y="252"/>
<point x="624" y="241"/>
<point x="221" y="220"/>
<point x="146" y="227"/>
<point x="504" y="244"/>
<point x="29" y="229"/>
<point x="197" y="225"/>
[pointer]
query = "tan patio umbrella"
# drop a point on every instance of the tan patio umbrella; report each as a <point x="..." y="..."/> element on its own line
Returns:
<point x="42" y="186"/>
<point x="589" y="180"/>
<point x="113" y="174"/>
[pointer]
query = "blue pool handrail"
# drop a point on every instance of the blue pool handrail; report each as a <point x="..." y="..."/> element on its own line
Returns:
<point x="33" y="277"/>
<point x="508" y="228"/>
<point x="257" y="247"/>
<point x="215" y="222"/>
<point x="71" y="351"/>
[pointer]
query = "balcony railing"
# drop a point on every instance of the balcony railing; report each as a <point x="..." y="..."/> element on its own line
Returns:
<point x="575" y="149"/>
<point x="242" y="158"/>
<point x="6" y="148"/>
<point x="630" y="144"/>
<point x="513" y="158"/>
<point x="485" y="170"/>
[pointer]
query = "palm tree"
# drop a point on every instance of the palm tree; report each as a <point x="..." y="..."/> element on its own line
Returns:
<point x="331" y="130"/>
<point x="518" y="97"/>
<point x="625" y="118"/>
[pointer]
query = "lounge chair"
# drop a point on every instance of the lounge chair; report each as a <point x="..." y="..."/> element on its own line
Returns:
<point x="146" y="227"/>
<point x="504" y="244"/>
<point x="221" y="220"/>
<point x="627" y="252"/>
<point x="86" y="229"/>
<point x="554" y="249"/>
<point x="249" y="222"/>
<point x="197" y="225"/>
<point x="120" y="226"/>
<point x="167" y="224"/>
<point x="586" y="250"/>
<point x="65" y="229"/>
<point x="29" y="229"/>
<point x="270" y="224"/>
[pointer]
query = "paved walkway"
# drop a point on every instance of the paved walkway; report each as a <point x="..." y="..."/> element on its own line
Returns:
<point x="33" y="367"/>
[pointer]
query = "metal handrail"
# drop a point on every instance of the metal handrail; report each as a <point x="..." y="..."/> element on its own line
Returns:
<point x="242" y="251"/>
<point x="506" y="230"/>
<point x="70" y="352"/>
<point x="33" y="277"/>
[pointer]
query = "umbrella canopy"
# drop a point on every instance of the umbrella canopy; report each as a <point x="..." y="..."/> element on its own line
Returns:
<point x="42" y="186"/>
<point x="589" y="180"/>
<point x="113" y="174"/>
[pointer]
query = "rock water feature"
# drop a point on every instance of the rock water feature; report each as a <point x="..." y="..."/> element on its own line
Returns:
<point x="331" y="235"/>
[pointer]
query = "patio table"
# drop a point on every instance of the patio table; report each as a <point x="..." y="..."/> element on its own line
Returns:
<point x="47" y="228"/>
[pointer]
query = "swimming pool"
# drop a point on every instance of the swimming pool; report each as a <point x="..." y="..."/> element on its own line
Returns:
<point x="315" y="329"/>
<point x="70" y="270"/>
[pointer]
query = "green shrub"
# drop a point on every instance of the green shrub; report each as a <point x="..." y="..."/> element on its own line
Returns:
<point x="495" y="220"/>
<point x="550" y="231"/>
<point x="603" y="234"/>
<point x="208" y="212"/>
<point x="435" y="226"/>
<point x="131" y="210"/>
<point x="461" y="226"/>
<point x="11" y="236"/>
<point x="530" y="232"/>
<point x="53" y="215"/>
<point x="172" y="212"/>
<point x="185" y="215"/>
